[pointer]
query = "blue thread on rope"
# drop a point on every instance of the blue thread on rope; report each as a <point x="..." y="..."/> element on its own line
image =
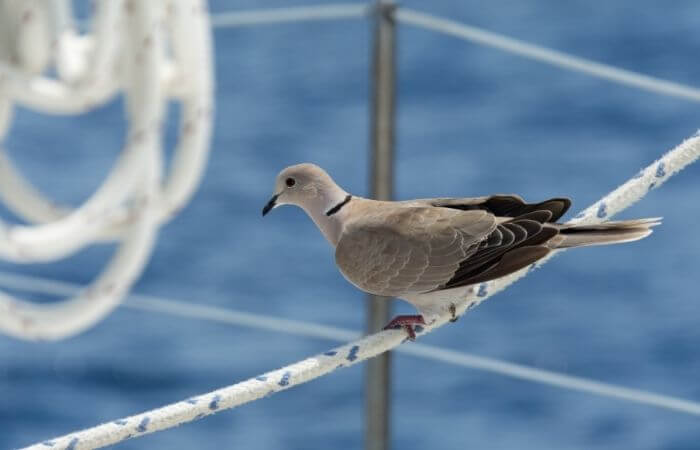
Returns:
<point x="660" y="172"/>
<point x="120" y="422"/>
<point x="261" y="378"/>
<point x="352" y="355"/>
<point x="602" y="210"/>
<point x="143" y="426"/>
<point x="285" y="378"/>
<point x="214" y="404"/>
<point x="72" y="444"/>
<point x="48" y="443"/>
<point x="192" y="401"/>
<point x="483" y="290"/>
<point x="331" y="353"/>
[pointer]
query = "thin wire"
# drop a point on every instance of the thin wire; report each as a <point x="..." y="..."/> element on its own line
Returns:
<point x="546" y="55"/>
<point x="184" y="309"/>
<point x="292" y="14"/>
<point x="552" y="378"/>
<point x="466" y="32"/>
<point x="307" y="329"/>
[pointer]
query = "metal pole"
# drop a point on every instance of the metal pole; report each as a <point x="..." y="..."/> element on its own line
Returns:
<point x="382" y="165"/>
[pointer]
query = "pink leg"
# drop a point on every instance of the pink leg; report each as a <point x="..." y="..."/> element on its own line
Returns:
<point x="407" y="323"/>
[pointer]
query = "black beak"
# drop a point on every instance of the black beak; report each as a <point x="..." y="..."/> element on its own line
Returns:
<point x="270" y="204"/>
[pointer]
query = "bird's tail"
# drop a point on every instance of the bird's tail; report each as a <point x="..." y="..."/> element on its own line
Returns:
<point x="604" y="233"/>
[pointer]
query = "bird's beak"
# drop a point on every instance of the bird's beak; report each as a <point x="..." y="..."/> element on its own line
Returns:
<point x="271" y="204"/>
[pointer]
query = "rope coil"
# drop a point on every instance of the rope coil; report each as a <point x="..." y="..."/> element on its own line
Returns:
<point x="125" y="207"/>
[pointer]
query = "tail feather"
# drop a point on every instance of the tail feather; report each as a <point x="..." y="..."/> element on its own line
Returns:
<point x="605" y="233"/>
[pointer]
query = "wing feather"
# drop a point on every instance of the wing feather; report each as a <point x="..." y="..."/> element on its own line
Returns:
<point x="501" y="205"/>
<point x="434" y="244"/>
<point x="409" y="250"/>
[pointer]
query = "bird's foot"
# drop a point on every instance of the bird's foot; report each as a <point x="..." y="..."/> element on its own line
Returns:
<point x="453" y="313"/>
<point x="407" y="323"/>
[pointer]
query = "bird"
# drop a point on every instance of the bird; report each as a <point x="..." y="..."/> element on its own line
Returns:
<point x="429" y="252"/>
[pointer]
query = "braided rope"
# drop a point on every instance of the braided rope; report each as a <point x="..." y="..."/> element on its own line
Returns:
<point x="154" y="62"/>
<point x="346" y="355"/>
<point x="228" y="316"/>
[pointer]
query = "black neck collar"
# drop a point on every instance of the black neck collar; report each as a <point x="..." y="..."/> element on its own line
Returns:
<point x="337" y="207"/>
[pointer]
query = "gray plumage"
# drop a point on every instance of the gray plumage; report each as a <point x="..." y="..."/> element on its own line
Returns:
<point x="428" y="251"/>
<point x="414" y="247"/>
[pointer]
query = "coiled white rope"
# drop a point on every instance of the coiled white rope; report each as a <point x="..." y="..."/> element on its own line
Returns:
<point x="134" y="199"/>
<point x="252" y="389"/>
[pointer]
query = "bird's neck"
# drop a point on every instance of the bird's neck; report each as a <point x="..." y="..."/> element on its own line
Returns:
<point x="328" y="211"/>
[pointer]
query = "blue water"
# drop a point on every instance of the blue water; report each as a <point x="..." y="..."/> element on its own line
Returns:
<point x="472" y="121"/>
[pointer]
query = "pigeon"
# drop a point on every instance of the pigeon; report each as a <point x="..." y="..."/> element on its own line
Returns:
<point x="429" y="251"/>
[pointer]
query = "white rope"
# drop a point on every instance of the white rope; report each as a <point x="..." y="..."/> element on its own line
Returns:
<point x="90" y="70"/>
<point x="134" y="199"/>
<point x="189" y="310"/>
<point x="292" y="14"/>
<point x="307" y="329"/>
<point x="547" y="56"/>
<point x="25" y="30"/>
<point x="144" y="100"/>
<point x="621" y="198"/>
<point x="194" y="90"/>
<point x="229" y="397"/>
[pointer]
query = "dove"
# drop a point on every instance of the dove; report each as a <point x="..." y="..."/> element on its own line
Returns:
<point x="429" y="252"/>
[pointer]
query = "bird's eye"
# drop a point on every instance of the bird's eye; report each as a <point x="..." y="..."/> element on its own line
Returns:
<point x="290" y="182"/>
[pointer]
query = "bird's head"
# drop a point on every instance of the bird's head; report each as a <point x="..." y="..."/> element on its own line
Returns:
<point x="304" y="185"/>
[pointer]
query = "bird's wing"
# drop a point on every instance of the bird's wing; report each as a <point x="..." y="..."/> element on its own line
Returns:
<point x="416" y="249"/>
<point x="408" y="250"/>
<point x="501" y="205"/>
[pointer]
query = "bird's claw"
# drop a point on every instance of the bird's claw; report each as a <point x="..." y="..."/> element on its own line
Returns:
<point x="408" y="323"/>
